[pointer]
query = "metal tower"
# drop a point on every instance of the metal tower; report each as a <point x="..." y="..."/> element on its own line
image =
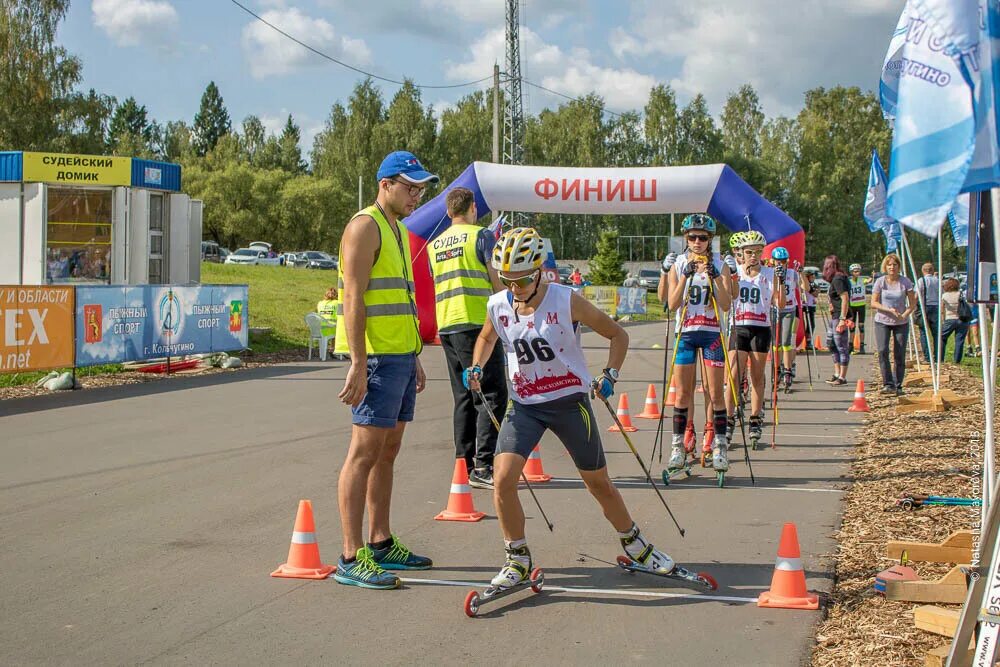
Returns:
<point x="513" y="119"/>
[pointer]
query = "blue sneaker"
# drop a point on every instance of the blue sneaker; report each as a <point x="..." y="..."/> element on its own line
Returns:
<point x="364" y="572"/>
<point x="397" y="557"/>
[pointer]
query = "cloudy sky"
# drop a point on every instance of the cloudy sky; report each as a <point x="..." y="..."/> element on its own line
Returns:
<point x="164" y="52"/>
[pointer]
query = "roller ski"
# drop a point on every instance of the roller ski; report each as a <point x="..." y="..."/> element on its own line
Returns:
<point x="513" y="576"/>
<point x="678" y="466"/>
<point x="756" y="430"/>
<point x="706" y="447"/>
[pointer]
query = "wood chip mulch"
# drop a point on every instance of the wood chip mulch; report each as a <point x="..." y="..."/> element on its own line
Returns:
<point x="135" y="377"/>
<point x="923" y="452"/>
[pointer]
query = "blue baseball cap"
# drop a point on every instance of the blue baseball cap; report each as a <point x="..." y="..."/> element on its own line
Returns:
<point x="405" y="164"/>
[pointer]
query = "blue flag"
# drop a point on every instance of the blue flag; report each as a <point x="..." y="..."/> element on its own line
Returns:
<point x="958" y="218"/>
<point x="945" y="138"/>
<point x="874" y="211"/>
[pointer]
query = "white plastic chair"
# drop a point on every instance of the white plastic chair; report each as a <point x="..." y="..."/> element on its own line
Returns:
<point x="316" y="325"/>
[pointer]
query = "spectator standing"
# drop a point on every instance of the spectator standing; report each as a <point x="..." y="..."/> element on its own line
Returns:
<point x="464" y="280"/>
<point x="894" y="301"/>
<point x="377" y="325"/>
<point x="838" y="336"/>
<point x="927" y="287"/>
<point x="950" y="300"/>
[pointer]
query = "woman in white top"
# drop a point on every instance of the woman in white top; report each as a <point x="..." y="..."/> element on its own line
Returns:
<point x="893" y="301"/>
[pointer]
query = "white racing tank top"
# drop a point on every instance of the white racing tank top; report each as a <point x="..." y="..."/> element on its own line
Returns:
<point x="699" y="315"/>
<point x="791" y="291"/>
<point x="752" y="305"/>
<point x="544" y="357"/>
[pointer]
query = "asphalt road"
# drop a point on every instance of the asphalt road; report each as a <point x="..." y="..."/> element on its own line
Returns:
<point x="139" y="524"/>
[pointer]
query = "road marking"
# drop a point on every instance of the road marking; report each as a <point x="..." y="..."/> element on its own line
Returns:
<point x="599" y="591"/>
<point x="565" y="480"/>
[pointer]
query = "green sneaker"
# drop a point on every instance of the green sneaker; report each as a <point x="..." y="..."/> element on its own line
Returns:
<point x="364" y="572"/>
<point x="398" y="557"/>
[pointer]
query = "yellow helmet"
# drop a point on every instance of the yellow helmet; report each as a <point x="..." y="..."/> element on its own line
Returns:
<point x="518" y="249"/>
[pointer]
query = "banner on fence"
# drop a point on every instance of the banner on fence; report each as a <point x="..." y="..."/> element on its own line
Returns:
<point x="115" y="324"/>
<point x="631" y="301"/>
<point x="36" y="325"/>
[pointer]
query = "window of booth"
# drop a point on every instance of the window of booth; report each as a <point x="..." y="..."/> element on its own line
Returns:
<point x="157" y="240"/>
<point x="78" y="235"/>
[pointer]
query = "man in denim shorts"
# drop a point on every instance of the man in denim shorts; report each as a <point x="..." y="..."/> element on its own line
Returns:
<point x="377" y="325"/>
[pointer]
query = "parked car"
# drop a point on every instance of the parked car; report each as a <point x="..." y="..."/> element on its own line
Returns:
<point x="252" y="256"/>
<point x="649" y="279"/>
<point x="319" y="260"/>
<point x="210" y="252"/>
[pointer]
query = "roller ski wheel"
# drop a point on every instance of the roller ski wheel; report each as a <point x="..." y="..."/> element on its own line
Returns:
<point x="701" y="579"/>
<point x="474" y="600"/>
<point x="680" y="473"/>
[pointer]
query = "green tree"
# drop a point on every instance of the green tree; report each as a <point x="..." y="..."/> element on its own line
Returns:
<point x="253" y="137"/>
<point x="698" y="139"/>
<point x="742" y="123"/>
<point x="130" y="132"/>
<point x="211" y="122"/>
<point x="606" y="265"/>
<point x="466" y="135"/>
<point x="290" y="153"/>
<point x="661" y="126"/>
<point x="839" y="127"/>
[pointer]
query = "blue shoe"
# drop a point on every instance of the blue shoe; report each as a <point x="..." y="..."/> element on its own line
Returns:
<point x="397" y="557"/>
<point x="364" y="572"/>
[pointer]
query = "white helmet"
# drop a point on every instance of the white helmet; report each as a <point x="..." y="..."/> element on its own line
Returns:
<point x="518" y="249"/>
<point x="752" y="237"/>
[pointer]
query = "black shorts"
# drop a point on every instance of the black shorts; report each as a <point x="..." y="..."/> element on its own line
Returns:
<point x="857" y="313"/>
<point x="572" y="420"/>
<point x="750" y="339"/>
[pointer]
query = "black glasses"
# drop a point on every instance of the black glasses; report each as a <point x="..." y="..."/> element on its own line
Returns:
<point x="522" y="282"/>
<point x="698" y="237"/>
<point x="413" y="190"/>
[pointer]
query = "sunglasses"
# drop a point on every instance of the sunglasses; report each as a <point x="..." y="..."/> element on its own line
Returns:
<point x="412" y="190"/>
<point x="522" y="282"/>
<point x="698" y="237"/>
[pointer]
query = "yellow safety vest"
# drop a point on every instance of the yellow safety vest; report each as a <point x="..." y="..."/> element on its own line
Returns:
<point x="391" y="315"/>
<point x="328" y="308"/>
<point x="461" y="283"/>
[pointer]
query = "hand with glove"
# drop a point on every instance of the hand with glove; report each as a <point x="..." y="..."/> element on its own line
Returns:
<point x="730" y="261"/>
<point x="668" y="262"/>
<point x="602" y="386"/>
<point x="471" y="377"/>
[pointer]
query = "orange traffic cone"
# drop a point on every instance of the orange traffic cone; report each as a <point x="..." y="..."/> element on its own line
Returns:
<point x="533" y="470"/>
<point x="671" y="393"/>
<point x="860" y="404"/>
<point x="652" y="409"/>
<point x="460" y="499"/>
<point x="303" y="554"/>
<point x="623" y="416"/>
<point x="788" y="585"/>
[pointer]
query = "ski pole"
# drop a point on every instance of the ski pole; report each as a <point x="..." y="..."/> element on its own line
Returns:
<point x="628" y="441"/>
<point x="737" y="397"/>
<point x="668" y="381"/>
<point x="496" y="425"/>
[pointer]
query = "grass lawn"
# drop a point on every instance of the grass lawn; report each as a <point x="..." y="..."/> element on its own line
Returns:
<point x="279" y="298"/>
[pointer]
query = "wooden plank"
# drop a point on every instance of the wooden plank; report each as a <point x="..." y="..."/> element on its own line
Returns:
<point x="938" y="620"/>
<point x="956" y="548"/>
<point x="949" y="589"/>
<point x="938" y="657"/>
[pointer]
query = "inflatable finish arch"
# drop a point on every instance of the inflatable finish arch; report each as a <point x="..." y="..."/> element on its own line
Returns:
<point x="714" y="189"/>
